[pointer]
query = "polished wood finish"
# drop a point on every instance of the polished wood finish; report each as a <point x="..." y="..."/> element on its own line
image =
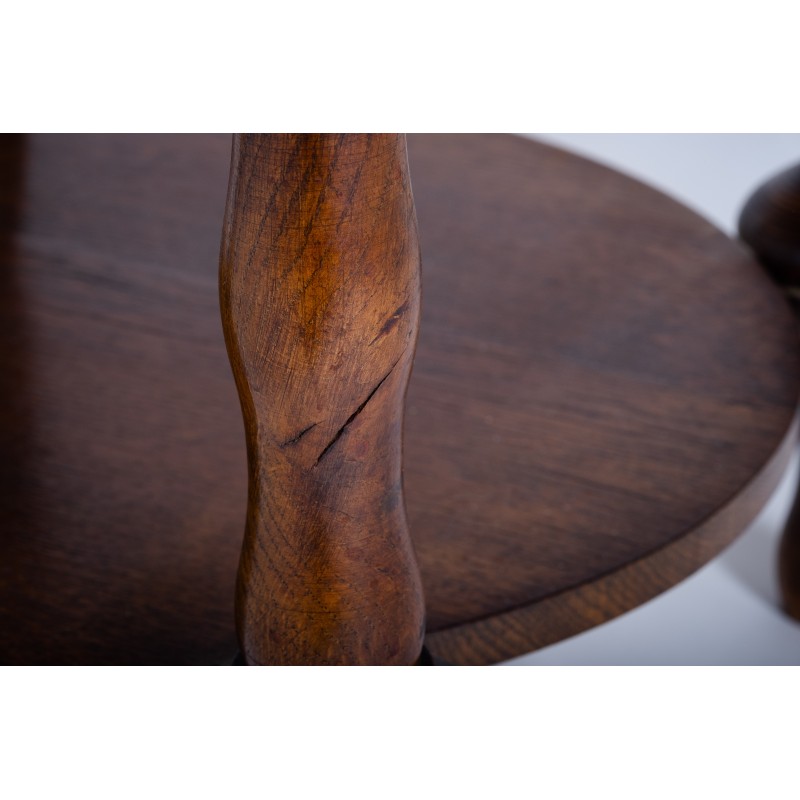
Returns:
<point x="770" y="224"/>
<point x="588" y="410"/>
<point x="319" y="283"/>
<point x="603" y="394"/>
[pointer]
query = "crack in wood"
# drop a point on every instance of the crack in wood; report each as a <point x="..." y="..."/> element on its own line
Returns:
<point x="355" y="414"/>
<point x="299" y="436"/>
<point x="390" y="323"/>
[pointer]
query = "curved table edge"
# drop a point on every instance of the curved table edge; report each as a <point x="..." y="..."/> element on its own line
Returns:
<point x="556" y="617"/>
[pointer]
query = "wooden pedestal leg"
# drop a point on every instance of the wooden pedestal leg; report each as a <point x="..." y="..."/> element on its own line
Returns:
<point x="320" y="293"/>
<point x="789" y="559"/>
<point x="770" y="224"/>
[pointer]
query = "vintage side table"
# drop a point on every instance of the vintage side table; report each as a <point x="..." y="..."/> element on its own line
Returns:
<point x="603" y="395"/>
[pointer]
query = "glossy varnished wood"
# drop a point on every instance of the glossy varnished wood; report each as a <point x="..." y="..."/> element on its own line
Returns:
<point x="319" y="284"/>
<point x="602" y="397"/>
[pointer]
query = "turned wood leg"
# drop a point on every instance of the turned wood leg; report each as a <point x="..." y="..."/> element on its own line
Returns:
<point x="770" y="224"/>
<point x="789" y="559"/>
<point x="320" y="294"/>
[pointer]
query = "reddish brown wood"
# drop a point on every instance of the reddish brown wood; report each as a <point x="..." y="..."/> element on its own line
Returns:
<point x="770" y="224"/>
<point x="603" y="394"/>
<point x="319" y="282"/>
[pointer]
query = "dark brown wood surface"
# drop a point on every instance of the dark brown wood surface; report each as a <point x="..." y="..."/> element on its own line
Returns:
<point x="602" y="397"/>
<point x="319" y="286"/>
<point x="770" y="225"/>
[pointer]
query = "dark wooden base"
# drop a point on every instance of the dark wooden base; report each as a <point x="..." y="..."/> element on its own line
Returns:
<point x="770" y="224"/>
<point x="789" y="560"/>
<point x="603" y="396"/>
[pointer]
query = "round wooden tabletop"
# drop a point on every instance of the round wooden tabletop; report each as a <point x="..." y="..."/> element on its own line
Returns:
<point x="603" y="396"/>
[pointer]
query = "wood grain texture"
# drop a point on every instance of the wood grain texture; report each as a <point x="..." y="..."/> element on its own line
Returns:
<point x="527" y="628"/>
<point x="319" y="285"/>
<point x="602" y="395"/>
<point x="770" y="224"/>
<point x="593" y="402"/>
<point x="121" y="442"/>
